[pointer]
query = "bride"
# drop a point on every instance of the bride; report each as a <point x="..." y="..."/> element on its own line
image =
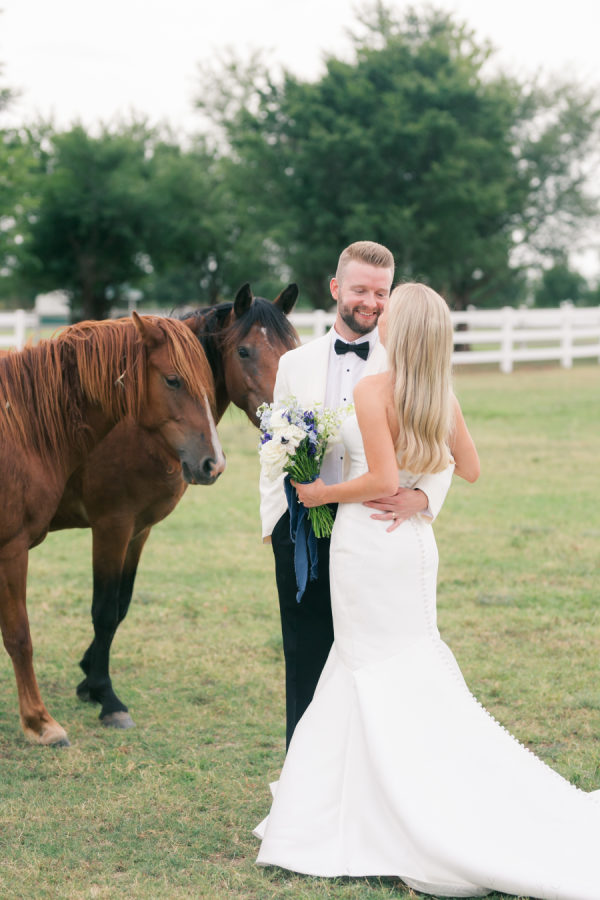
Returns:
<point x="395" y="768"/>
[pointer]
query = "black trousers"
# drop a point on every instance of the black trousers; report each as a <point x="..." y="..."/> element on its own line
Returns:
<point x="306" y="627"/>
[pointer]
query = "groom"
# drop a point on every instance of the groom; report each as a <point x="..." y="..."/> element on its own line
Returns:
<point x="326" y="371"/>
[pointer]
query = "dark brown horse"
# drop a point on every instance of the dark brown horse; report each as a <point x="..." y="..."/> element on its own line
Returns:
<point x="57" y="401"/>
<point x="129" y="483"/>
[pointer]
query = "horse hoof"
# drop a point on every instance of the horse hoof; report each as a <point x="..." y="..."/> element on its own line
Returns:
<point x="61" y="742"/>
<point x="54" y="736"/>
<point x="118" y="719"/>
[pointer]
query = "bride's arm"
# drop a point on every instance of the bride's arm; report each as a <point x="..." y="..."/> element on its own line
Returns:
<point x="382" y="477"/>
<point x="463" y="447"/>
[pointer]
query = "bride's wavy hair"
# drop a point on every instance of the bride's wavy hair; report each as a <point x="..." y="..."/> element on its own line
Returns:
<point x="419" y="346"/>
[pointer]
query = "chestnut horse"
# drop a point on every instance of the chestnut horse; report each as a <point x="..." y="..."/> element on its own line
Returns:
<point x="128" y="483"/>
<point x="57" y="401"/>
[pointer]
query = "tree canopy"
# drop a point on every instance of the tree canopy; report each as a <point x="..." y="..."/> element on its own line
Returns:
<point x="130" y="209"/>
<point x="412" y="144"/>
<point x="560" y="283"/>
<point x="89" y="229"/>
<point x="477" y="181"/>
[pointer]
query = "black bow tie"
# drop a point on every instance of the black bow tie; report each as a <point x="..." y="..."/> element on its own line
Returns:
<point x="361" y="350"/>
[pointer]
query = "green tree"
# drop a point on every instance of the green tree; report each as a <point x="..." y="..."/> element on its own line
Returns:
<point x="129" y="208"/>
<point x="90" y="229"/>
<point x="412" y="145"/>
<point x="20" y="164"/>
<point x="199" y="251"/>
<point x="592" y="298"/>
<point x="20" y="160"/>
<point x="561" y="283"/>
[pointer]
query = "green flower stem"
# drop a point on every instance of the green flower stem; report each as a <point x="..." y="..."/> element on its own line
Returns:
<point x="321" y="520"/>
<point x="305" y="468"/>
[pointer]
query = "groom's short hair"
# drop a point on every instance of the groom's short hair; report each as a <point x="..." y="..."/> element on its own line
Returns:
<point x="368" y="252"/>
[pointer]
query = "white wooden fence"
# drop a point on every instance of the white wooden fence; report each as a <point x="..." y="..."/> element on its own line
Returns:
<point x="498" y="336"/>
<point x="509" y="335"/>
<point x="503" y="336"/>
<point x="13" y="327"/>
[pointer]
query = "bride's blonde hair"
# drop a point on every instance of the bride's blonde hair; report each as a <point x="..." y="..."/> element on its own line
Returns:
<point x="419" y="345"/>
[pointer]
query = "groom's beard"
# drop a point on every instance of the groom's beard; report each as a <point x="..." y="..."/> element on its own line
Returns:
<point x="358" y="325"/>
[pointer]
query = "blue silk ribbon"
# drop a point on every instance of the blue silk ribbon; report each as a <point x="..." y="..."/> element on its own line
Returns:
<point x="306" y="561"/>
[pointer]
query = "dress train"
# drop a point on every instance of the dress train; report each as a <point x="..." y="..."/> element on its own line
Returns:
<point x="395" y="769"/>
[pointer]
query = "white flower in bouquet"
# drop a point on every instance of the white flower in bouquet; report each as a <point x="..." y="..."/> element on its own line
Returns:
<point x="291" y="435"/>
<point x="278" y="420"/>
<point x="294" y="440"/>
<point x="273" y="457"/>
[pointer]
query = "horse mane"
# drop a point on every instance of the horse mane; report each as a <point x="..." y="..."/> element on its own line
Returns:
<point x="191" y="366"/>
<point x="268" y="316"/>
<point x="262" y="312"/>
<point x="211" y="325"/>
<point x="45" y="389"/>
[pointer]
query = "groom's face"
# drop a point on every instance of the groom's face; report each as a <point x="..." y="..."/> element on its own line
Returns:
<point x="361" y="293"/>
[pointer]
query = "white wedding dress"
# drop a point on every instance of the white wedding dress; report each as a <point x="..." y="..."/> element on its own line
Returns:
<point x="395" y="768"/>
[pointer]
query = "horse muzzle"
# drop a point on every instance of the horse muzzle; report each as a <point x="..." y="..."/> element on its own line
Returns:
<point x="205" y="471"/>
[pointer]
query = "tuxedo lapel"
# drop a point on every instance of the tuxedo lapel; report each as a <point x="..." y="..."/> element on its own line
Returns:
<point x="311" y="375"/>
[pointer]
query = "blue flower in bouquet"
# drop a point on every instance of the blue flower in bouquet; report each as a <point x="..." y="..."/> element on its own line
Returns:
<point x="294" y="441"/>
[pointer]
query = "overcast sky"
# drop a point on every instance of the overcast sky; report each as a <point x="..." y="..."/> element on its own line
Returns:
<point x="79" y="59"/>
<point x="94" y="61"/>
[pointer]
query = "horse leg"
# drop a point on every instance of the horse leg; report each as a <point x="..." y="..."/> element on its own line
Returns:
<point x="110" y="546"/>
<point x="118" y="719"/>
<point x="134" y="551"/>
<point x="37" y="723"/>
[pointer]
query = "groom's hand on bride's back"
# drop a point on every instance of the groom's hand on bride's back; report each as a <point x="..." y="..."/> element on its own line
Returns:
<point x="399" y="507"/>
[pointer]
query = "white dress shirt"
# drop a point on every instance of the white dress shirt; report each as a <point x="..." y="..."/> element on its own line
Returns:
<point x="343" y="373"/>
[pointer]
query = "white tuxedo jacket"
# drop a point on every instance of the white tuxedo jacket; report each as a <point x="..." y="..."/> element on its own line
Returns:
<point x="302" y="374"/>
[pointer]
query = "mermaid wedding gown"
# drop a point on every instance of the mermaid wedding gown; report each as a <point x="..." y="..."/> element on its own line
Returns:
<point x="395" y="768"/>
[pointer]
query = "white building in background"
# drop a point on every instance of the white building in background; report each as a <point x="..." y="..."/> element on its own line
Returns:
<point x="53" y="307"/>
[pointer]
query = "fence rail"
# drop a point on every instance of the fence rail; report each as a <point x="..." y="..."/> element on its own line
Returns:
<point x="14" y="325"/>
<point x="495" y="336"/>
<point x="503" y="336"/>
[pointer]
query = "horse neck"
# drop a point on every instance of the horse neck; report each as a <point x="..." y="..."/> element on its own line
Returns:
<point x="98" y="423"/>
<point x="212" y="348"/>
<point x="97" y="418"/>
<point x="221" y="403"/>
<point x="95" y="425"/>
<point x="49" y="413"/>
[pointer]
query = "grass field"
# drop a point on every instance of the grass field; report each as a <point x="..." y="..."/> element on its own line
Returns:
<point x="166" y="810"/>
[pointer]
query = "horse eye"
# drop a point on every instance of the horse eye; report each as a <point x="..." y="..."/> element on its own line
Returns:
<point x="243" y="353"/>
<point x="173" y="381"/>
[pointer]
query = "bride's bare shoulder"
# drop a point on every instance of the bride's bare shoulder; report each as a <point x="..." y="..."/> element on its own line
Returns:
<point x="373" y="386"/>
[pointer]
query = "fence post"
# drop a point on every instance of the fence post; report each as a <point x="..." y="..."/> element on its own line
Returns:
<point x="566" y="341"/>
<point x="319" y="327"/>
<point x="20" y="328"/>
<point x="506" y="340"/>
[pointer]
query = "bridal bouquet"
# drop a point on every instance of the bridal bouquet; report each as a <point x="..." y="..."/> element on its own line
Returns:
<point x="294" y="440"/>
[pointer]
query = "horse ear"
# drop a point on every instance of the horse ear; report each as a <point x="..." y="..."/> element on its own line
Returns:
<point x="286" y="299"/>
<point x="150" y="333"/>
<point x="243" y="300"/>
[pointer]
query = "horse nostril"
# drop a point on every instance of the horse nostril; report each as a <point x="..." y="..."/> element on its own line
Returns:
<point x="208" y="467"/>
